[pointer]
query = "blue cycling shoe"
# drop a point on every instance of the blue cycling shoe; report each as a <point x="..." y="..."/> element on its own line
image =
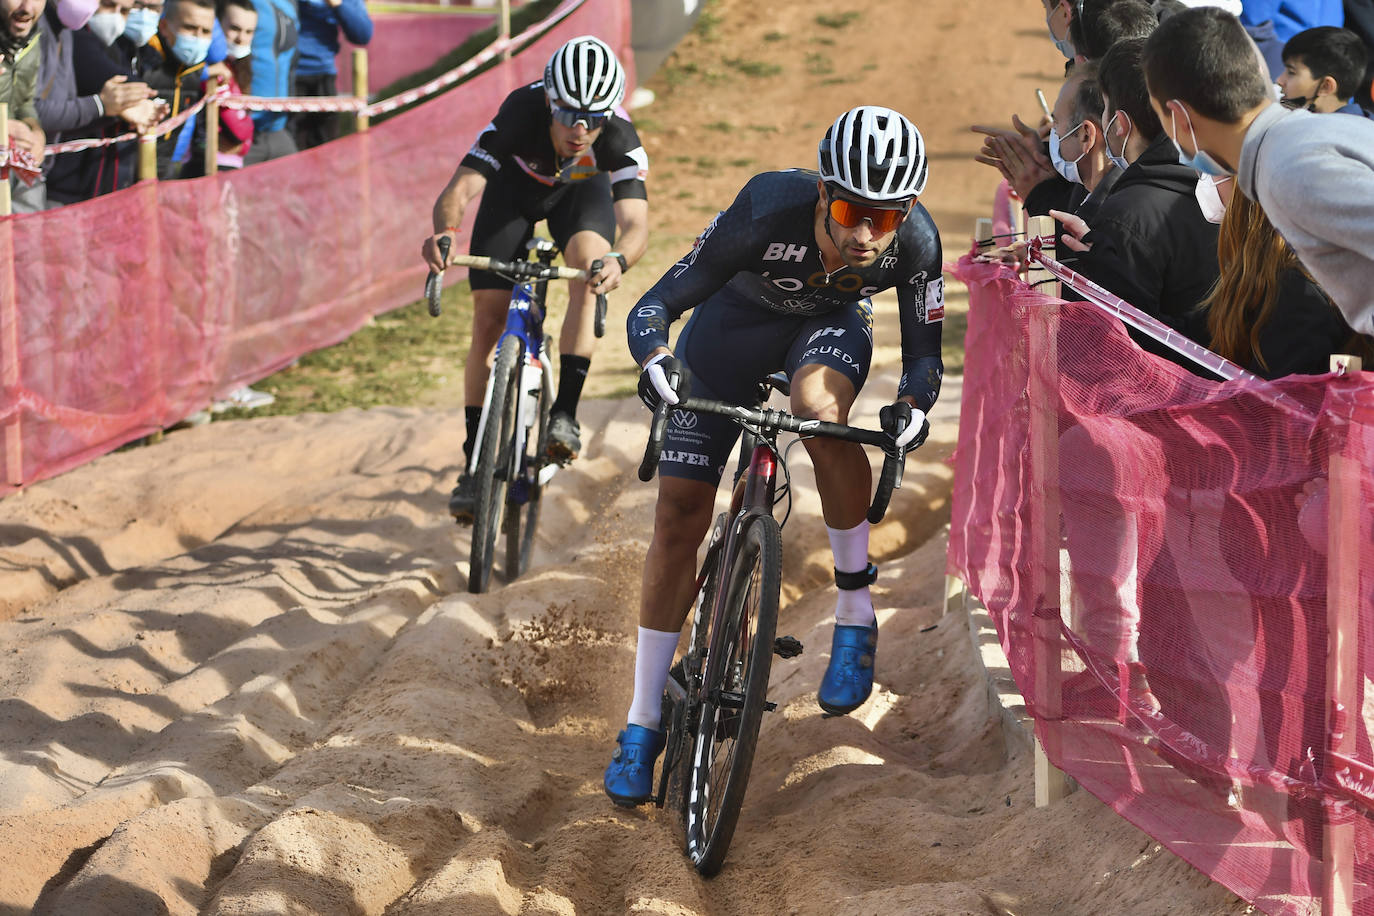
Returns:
<point x="849" y="677"/>
<point x="629" y="779"/>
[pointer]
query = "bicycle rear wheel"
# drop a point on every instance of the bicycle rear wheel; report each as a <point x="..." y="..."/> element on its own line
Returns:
<point x="495" y="462"/>
<point x="523" y="516"/>
<point x="732" y="707"/>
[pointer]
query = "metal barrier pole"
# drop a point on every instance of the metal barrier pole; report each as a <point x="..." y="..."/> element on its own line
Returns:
<point x="1343" y="608"/>
<point x="212" y="126"/>
<point x="1050" y="784"/>
<point x="360" y="85"/>
<point x="9" y="320"/>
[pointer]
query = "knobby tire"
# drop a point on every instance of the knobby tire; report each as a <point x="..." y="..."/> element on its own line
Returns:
<point x="723" y="751"/>
<point x="495" y="462"/>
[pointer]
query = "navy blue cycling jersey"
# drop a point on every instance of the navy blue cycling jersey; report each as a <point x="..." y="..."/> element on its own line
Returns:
<point x="763" y="250"/>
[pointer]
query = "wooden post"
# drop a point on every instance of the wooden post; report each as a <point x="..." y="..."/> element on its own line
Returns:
<point x="1343" y="608"/>
<point x="5" y="203"/>
<point x="982" y="232"/>
<point x="212" y="126"/>
<point x="1043" y="390"/>
<point x="147" y="157"/>
<point x="360" y="85"/>
<point x="9" y="321"/>
<point x="505" y="28"/>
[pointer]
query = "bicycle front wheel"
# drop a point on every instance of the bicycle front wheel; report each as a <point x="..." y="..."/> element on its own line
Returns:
<point x="495" y="462"/>
<point x="732" y="705"/>
<point x="523" y="517"/>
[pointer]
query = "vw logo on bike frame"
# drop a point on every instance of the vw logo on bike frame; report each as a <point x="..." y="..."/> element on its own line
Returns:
<point x="684" y="419"/>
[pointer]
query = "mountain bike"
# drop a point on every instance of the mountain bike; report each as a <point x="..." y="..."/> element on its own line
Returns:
<point x="509" y="460"/>
<point x="716" y="693"/>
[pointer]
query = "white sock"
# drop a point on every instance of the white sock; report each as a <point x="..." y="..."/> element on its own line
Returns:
<point x="850" y="549"/>
<point x="653" y="658"/>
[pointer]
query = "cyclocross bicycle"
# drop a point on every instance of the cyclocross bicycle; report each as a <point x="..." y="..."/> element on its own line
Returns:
<point x="508" y="462"/>
<point x="717" y="692"/>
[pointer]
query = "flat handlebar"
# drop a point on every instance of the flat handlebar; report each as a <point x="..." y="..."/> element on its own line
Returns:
<point x="781" y="421"/>
<point x="517" y="270"/>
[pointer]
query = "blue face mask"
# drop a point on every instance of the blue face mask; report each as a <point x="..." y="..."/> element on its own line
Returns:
<point x="1068" y="169"/>
<point x="141" y="26"/>
<point x="1065" y="44"/>
<point x="190" y="50"/>
<point x="1118" y="161"/>
<point x="1200" y="161"/>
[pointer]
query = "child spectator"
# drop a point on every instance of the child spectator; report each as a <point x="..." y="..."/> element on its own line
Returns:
<point x="1313" y="175"/>
<point x="1322" y="70"/>
<point x="316" y="72"/>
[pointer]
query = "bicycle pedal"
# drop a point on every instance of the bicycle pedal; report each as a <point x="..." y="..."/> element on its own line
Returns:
<point x="787" y="647"/>
<point x="769" y="706"/>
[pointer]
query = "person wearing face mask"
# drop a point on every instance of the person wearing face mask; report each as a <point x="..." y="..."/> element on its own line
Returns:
<point x="1312" y="174"/>
<point x="238" y="20"/>
<point x="1322" y="69"/>
<point x="1076" y="144"/>
<point x="1059" y="16"/>
<point x="72" y="106"/>
<point x="1149" y="241"/>
<point x="173" y="62"/>
<point x="19" y="53"/>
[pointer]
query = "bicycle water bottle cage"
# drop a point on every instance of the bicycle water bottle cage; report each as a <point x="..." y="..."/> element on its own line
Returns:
<point x="853" y="581"/>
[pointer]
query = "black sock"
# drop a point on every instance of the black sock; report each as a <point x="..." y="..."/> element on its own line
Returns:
<point x="471" y="416"/>
<point x="572" y="372"/>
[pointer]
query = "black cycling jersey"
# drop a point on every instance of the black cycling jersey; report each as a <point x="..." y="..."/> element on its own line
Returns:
<point x="518" y="137"/>
<point x="763" y="250"/>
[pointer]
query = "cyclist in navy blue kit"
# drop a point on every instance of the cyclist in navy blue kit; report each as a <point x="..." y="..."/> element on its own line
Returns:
<point x="780" y="281"/>
<point x="559" y="150"/>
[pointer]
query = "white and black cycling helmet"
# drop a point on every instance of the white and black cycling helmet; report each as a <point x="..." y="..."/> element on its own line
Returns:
<point x="584" y="75"/>
<point x="874" y="153"/>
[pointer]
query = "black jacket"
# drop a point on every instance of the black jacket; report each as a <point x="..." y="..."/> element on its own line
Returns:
<point x="1302" y="332"/>
<point x="180" y="86"/>
<point x="1151" y="244"/>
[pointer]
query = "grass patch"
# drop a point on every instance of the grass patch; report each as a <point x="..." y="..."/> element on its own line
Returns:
<point x="681" y="159"/>
<point x="836" y="20"/>
<point x="684" y="194"/>
<point x="819" y="65"/>
<point x="838" y="80"/>
<point x="765" y="128"/>
<point x="741" y="163"/>
<point x="722" y="126"/>
<point x="774" y="36"/>
<point x="708" y="23"/>
<point x="707" y="163"/>
<point x="757" y="68"/>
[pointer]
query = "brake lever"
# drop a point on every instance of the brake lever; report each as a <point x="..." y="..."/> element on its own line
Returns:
<point x="434" y="284"/>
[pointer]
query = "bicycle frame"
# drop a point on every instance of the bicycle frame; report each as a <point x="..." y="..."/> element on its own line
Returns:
<point x="524" y="323"/>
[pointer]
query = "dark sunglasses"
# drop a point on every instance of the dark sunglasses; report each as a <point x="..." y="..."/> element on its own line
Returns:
<point x="569" y="117"/>
<point x="849" y="214"/>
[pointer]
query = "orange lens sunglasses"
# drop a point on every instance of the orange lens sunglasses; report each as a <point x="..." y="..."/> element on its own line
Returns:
<point x="849" y="214"/>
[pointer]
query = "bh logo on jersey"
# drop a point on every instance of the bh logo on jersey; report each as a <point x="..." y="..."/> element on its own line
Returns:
<point x="781" y="251"/>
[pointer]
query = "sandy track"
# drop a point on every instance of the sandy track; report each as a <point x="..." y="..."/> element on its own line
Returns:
<point x="241" y="675"/>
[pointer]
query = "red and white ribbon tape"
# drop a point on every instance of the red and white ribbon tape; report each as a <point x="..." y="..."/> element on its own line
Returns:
<point x="20" y="161"/>
<point x="160" y="130"/>
<point x="293" y="103"/>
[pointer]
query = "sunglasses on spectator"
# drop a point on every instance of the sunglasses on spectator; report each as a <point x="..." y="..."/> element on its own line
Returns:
<point x="849" y="214"/>
<point x="569" y="117"/>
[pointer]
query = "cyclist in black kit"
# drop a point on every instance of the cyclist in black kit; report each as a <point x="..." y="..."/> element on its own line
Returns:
<point x="559" y="150"/>
<point x="780" y="281"/>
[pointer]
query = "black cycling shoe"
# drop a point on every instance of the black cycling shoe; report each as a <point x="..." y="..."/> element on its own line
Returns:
<point x="462" y="504"/>
<point x="565" y="441"/>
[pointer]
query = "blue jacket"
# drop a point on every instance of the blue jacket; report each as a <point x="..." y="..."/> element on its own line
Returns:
<point x="274" y="58"/>
<point x="1293" y="16"/>
<point x="320" y="24"/>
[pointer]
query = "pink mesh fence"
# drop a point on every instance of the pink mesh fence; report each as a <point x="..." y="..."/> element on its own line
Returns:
<point x="122" y="315"/>
<point x="1180" y="572"/>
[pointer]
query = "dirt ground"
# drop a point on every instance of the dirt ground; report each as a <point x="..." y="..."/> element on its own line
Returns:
<point x="240" y="673"/>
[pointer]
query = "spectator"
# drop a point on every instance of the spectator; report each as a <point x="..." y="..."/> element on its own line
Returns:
<point x="273" y="63"/>
<point x="1150" y="242"/>
<point x="1102" y="23"/>
<point x="316" y="73"/>
<point x="1322" y="70"/>
<point x="1270" y="23"/>
<point x="1266" y="313"/>
<point x="1076" y="131"/>
<point x="1313" y="175"/>
<point x="239" y="20"/>
<point x="173" y="64"/>
<point x="66" y="109"/>
<point x="19" y="54"/>
<point x="1059" y="16"/>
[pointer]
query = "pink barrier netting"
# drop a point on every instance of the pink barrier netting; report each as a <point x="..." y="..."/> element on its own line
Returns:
<point x="122" y="315"/>
<point x="404" y="42"/>
<point x="1168" y="561"/>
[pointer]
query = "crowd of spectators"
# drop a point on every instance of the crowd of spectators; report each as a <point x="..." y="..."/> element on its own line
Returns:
<point x="1218" y="182"/>
<point x="81" y="69"/>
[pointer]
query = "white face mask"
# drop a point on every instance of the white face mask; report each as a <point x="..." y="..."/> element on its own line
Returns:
<point x="239" y="52"/>
<point x="1118" y="161"/>
<point x="1066" y="168"/>
<point x="1209" y="199"/>
<point x="106" y="26"/>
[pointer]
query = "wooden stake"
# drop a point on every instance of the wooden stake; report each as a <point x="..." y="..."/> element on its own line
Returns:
<point x="9" y="321"/>
<point x="212" y="126"/>
<point x="5" y="144"/>
<point x="360" y="85"/>
<point x="147" y="157"/>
